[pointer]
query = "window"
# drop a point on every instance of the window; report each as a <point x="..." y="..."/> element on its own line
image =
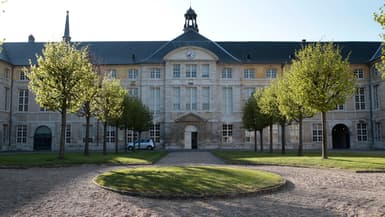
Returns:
<point x="271" y="74"/>
<point x="249" y="136"/>
<point x="5" y="134"/>
<point x="176" y="70"/>
<point x="191" y="99"/>
<point x="227" y="99"/>
<point x="227" y="73"/>
<point x="248" y="92"/>
<point x="377" y="131"/>
<point x="23" y="100"/>
<point x="21" y="134"/>
<point x="22" y="76"/>
<point x="227" y="133"/>
<point x="132" y="136"/>
<point x="42" y="109"/>
<point x="360" y="98"/>
<point x="359" y="73"/>
<point x="6" y="74"/>
<point x="205" y="98"/>
<point x="191" y="70"/>
<point x="248" y="74"/>
<point x="376" y="103"/>
<point x="339" y="107"/>
<point x="6" y="98"/>
<point x="134" y="92"/>
<point x="90" y="135"/>
<point x="155" y="100"/>
<point x="317" y="132"/>
<point x="205" y="70"/>
<point x="110" y="134"/>
<point x="155" y="132"/>
<point x="155" y="73"/>
<point x="176" y="99"/>
<point x="133" y="74"/>
<point x="112" y="74"/>
<point x="362" y="132"/>
<point x="68" y="134"/>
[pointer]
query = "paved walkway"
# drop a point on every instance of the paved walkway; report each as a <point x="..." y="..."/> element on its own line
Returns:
<point x="69" y="191"/>
<point x="191" y="157"/>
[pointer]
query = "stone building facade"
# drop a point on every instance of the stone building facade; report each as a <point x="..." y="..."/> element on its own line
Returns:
<point x="195" y="89"/>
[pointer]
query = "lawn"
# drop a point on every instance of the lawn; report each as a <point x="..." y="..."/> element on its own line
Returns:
<point x="51" y="159"/>
<point x="342" y="160"/>
<point x="188" y="182"/>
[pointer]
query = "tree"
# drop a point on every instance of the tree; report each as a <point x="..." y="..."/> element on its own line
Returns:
<point x="323" y="79"/>
<point x="254" y="119"/>
<point x="380" y="18"/>
<point x="60" y="80"/>
<point x="108" y="104"/>
<point x="269" y="106"/>
<point x="291" y="106"/>
<point x="139" y="117"/>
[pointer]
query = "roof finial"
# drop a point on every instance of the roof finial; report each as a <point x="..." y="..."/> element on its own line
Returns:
<point x="66" y="36"/>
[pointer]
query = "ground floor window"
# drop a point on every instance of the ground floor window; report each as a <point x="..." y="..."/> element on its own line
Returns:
<point x="68" y="134"/>
<point x="227" y="133"/>
<point x="21" y="134"/>
<point x="362" y="132"/>
<point x="155" y="132"/>
<point x="110" y="134"/>
<point x="317" y="132"/>
<point x="131" y="136"/>
<point x="249" y="136"/>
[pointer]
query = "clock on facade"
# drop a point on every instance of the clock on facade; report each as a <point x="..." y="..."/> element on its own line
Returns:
<point x="190" y="54"/>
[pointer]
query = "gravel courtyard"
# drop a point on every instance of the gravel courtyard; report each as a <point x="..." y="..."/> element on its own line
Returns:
<point x="69" y="191"/>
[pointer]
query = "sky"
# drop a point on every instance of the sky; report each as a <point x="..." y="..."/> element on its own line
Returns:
<point x="218" y="20"/>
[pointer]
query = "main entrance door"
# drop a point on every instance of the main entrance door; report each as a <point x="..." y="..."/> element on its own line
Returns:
<point x="190" y="137"/>
<point x="42" y="139"/>
<point x="341" y="139"/>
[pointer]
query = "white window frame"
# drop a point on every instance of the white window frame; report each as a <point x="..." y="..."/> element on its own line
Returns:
<point x="227" y="100"/>
<point x="205" y="69"/>
<point x="155" y="132"/>
<point x="155" y="97"/>
<point x="21" y="134"/>
<point x="249" y="74"/>
<point x="133" y="74"/>
<point x="360" y="101"/>
<point x="22" y="76"/>
<point x="112" y="74"/>
<point x="359" y="74"/>
<point x="205" y="98"/>
<point x="111" y="134"/>
<point x="227" y="133"/>
<point x="134" y="92"/>
<point x="155" y="73"/>
<point x="191" y="70"/>
<point x="340" y="107"/>
<point x="176" y="99"/>
<point x="227" y="73"/>
<point x="191" y="99"/>
<point x="23" y="100"/>
<point x="317" y="134"/>
<point x="271" y="73"/>
<point x="68" y="134"/>
<point x="132" y="136"/>
<point x="362" y="132"/>
<point x="176" y="69"/>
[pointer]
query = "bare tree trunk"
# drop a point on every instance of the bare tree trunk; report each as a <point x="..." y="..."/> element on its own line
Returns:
<point x="105" y="138"/>
<point x="300" y="145"/>
<point x="283" y="138"/>
<point x="324" y="137"/>
<point x="255" y="140"/>
<point x="261" y="138"/>
<point x="62" y="132"/>
<point x="271" y="139"/>
<point x="86" y="143"/>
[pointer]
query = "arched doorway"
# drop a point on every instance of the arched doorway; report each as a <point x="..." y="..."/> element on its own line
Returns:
<point x="341" y="139"/>
<point x="191" y="137"/>
<point x="42" y="139"/>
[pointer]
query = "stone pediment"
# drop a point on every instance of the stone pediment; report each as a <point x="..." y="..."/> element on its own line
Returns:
<point x="190" y="117"/>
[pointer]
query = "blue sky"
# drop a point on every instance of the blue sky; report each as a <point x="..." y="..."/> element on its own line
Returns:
<point x="218" y="20"/>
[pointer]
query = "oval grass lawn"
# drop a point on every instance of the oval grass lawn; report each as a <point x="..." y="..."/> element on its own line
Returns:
<point x="189" y="181"/>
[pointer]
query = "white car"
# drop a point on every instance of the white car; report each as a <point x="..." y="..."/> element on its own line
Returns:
<point x="148" y="144"/>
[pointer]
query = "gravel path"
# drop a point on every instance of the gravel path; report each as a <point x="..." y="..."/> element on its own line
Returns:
<point x="69" y="191"/>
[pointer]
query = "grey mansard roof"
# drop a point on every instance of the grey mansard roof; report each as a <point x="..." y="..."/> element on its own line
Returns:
<point x="142" y="52"/>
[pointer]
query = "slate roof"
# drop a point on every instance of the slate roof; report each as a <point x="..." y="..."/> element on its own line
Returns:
<point x="138" y="52"/>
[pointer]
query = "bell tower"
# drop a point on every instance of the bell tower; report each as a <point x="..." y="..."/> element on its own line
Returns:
<point x="190" y="21"/>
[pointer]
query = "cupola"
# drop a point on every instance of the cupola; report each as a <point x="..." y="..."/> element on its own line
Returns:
<point x="190" y="21"/>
